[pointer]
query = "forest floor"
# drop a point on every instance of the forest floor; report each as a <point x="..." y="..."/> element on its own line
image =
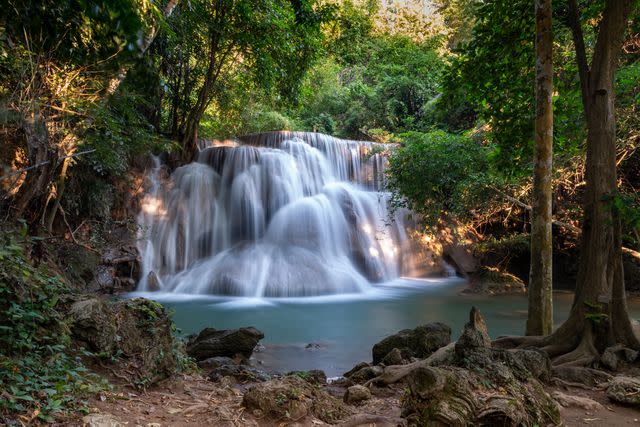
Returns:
<point x="192" y="400"/>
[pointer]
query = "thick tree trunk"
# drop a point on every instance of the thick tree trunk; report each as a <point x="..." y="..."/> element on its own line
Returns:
<point x="599" y="315"/>
<point x="600" y="295"/>
<point x="540" y="319"/>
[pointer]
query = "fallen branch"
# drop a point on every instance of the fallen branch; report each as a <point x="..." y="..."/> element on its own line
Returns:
<point x="529" y="209"/>
<point x="18" y="172"/>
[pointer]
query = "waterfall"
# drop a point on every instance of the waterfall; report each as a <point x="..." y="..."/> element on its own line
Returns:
<point x="278" y="214"/>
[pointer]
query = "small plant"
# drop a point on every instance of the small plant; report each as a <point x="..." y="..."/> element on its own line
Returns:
<point x="39" y="375"/>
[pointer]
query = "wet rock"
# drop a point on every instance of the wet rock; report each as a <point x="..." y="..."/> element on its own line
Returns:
<point x="138" y="332"/>
<point x="211" y="342"/>
<point x="617" y="356"/>
<point x="241" y="373"/>
<point x="624" y="390"/>
<point x="492" y="281"/>
<point x="356" y="394"/>
<point x="395" y="357"/>
<point x="313" y="346"/>
<point x="314" y="376"/>
<point x="419" y="342"/>
<point x="292" y="398"/>
<point x="153" y="283"/>
<point x="570" y="401"/>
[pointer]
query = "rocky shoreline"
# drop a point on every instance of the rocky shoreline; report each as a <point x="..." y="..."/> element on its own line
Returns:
<point x="417" y="377"/>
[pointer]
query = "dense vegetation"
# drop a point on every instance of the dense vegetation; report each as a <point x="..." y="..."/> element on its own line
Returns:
<point x="88" y="88"/>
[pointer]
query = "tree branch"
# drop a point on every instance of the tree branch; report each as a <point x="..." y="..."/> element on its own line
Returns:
<point x="581" y="53"/>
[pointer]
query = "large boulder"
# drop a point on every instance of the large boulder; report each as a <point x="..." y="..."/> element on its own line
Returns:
<point x="212" y="342"/>
<point x="292" y="398"/>
<point x="136" y="332"/>
<point x="419" y="342"/>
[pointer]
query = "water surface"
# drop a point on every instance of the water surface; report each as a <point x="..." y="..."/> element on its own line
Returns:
<point x="343" y="328"/>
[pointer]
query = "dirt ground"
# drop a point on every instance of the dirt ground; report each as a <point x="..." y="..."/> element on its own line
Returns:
<point x="192" y="400"/>
<point x="608" y="415"/>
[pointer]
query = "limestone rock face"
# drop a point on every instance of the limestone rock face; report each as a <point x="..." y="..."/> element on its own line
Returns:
<point x="212" y="342"/>
<point x="137" y="331"/>
<point x="356" y="394"/>
<point x="419" y="342"/>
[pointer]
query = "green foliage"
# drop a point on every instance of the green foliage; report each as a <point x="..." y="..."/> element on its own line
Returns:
<point x="436" y="173"/>
<point x="38" y="374"/>
<point x="494" y="74"/>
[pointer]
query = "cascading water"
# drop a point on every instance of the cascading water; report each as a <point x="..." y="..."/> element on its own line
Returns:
<point x="281" y="214"/>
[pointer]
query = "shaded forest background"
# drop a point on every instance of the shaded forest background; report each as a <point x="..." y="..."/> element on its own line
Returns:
<point x="89" y="88"/>
<point x="450" y="80"/>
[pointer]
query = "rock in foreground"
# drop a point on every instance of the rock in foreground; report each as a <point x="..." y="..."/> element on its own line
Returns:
<point x="419" y="342"/>
<point x="137" y="331"/>
<point x="479" y="385"/>
<point x="212" y="342"/>
<point x="292" y="398"/>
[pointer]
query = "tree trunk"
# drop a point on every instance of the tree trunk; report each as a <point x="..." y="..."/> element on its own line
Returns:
<point x="30" y="201"/>
<point x="599" y="315"/>
<point x="540" y="319"/>
<point x="600" y="304"/>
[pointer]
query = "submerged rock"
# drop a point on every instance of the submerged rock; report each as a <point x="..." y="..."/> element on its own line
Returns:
<point x="212" y="342"/>
<point x="419" y="342"/>
<point x="292" y="398"/>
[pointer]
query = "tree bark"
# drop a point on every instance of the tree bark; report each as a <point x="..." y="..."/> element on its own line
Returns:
<point x="540" y="318"/>
<point x="30" y="201"/>
<point x="600" y="294"/>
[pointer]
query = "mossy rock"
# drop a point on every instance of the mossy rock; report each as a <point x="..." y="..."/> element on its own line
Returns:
<point x="492" y="281"/>
<point x="137" y="334"/>
<point x="293" y="398"/>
